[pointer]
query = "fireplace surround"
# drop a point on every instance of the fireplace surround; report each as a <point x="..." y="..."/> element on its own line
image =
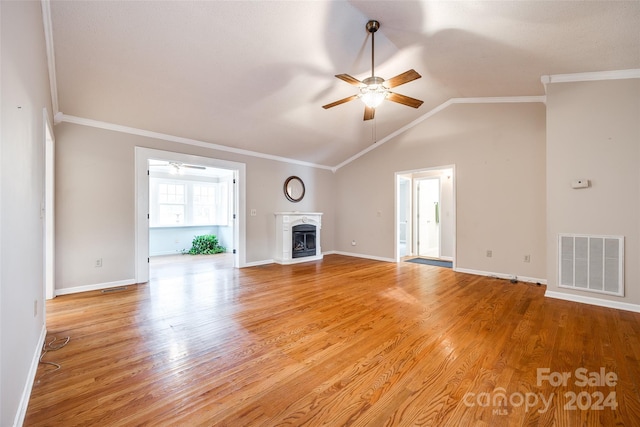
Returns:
<point x="297" y="237"/>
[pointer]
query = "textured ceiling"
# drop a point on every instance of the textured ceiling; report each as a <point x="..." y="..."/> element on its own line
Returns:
<point x="253" y="75"/>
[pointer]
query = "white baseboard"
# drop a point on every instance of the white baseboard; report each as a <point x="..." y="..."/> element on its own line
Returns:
<point x="502" y="276"/>
<point x="375" y="258"/>
<point x="299" y="260"/>
<point x="95" y="287"/>
<point x="593" y="301"/>
<point x="257" y="263"/>
<point x="26" y="393"/>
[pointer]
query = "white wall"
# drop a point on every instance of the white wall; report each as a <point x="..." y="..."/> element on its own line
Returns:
<point x="25" y="92"/>
<point x="95" y="208"/>
<point x="499" y="155"/>
<point x="593" y="132"/>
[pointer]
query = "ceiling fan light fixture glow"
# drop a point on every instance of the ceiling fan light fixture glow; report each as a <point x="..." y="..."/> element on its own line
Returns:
<point x="374" y="92"/>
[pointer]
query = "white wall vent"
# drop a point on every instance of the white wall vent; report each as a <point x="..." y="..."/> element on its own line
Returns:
<point x="592" y="263"/>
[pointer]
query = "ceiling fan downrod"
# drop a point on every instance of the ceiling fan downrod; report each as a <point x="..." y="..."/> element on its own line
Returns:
<point x="373" y="93"/>
<point x="372" y="27"/>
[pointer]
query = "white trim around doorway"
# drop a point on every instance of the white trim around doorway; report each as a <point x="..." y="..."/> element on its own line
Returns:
<point x="413" y="174"/>
<point x="142" y="157"/>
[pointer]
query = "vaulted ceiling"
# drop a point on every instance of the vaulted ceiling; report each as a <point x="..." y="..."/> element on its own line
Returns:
<point x="253" y="75"/>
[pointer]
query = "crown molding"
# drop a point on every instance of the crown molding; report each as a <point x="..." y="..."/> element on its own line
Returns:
<point x="633" y="73"/>
<point x="180" y="140"/>
<point x="51" y="57"/>
<point x="436" y="110"/>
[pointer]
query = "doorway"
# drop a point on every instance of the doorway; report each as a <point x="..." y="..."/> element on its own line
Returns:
<point x="425" y="214"/>
<point x="427" y="217"/>
<point x="236" y="220"/>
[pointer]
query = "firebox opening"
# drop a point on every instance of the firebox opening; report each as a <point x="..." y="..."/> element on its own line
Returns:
<point x="303" y="239"/>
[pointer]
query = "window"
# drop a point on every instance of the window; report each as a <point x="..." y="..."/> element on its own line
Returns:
<point x="204" y="205"/>
<point x="171" y="204"/>
<point x="187" y="203"/>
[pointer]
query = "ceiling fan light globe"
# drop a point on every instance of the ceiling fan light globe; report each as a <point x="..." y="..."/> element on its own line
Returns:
<point x="373" y="95"/>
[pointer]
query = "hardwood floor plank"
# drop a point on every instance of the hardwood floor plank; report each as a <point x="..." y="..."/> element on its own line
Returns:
<point x="342" y="341"/>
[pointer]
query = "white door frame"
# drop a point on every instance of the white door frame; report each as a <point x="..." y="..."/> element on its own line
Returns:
<point x="417" y="172"/>
<point x="49" y="208"/>
<point x="142" y="157"/>
<point x="408" y="226"/>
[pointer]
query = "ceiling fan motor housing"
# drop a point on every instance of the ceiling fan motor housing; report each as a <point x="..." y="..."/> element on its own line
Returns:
<point x="373" y="81"/>
<point x="372" y="26"/>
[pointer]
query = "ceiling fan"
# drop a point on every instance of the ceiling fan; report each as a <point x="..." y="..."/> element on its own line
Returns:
<point x="177" y="167"/>
<point x="374" y="90"/>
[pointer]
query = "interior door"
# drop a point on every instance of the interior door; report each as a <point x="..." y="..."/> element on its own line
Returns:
<point x="428" y="217"/>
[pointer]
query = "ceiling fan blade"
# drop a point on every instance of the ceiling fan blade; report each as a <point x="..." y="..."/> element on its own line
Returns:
<point x="194" y="167"/>
<point x="351" y="80"/>
<point x="404" y="100"/>
<point x="341" y="101"/>
<point x="369" y="113"/>
<point x="403" y="78"/>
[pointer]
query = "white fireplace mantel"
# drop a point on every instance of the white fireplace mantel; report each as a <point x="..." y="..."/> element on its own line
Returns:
<point x="285" y="221"/>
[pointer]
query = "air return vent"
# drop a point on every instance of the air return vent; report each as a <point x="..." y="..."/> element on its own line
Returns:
<point x="592" y="263"/>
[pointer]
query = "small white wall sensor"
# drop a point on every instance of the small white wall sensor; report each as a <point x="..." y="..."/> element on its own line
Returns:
<point x="580" y="183"/>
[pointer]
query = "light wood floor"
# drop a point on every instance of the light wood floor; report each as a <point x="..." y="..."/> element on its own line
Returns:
<point x="343" y="341"/>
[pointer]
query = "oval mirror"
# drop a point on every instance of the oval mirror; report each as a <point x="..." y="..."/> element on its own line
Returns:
<point x="294" y="189"/>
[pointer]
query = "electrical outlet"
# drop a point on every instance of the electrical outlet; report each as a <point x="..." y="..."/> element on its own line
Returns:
<point x="98" y="262"/>
<point x="489" y="253"/>
<point x="527" y="258"/>
<point x="353" y="243"/>
<point x="253" y="212"/>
